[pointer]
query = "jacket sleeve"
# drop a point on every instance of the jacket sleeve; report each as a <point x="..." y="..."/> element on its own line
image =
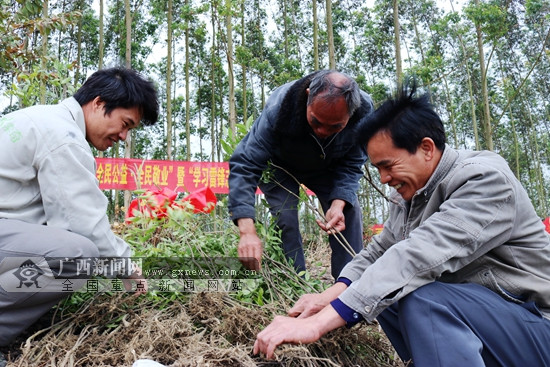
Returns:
<point x="477" y="216"/>
<point x="348" y="174"/>
<point x="248" y="161"/>
<point x="349" y="171"/>
<point x="73" y="201"/>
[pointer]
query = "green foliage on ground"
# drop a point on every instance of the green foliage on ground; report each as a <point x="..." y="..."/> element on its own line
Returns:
<point x="185" y="245"/>
<point x="222" y="325"/>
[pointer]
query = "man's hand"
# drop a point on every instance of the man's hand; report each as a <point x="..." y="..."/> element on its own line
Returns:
<point x="250" y="248"/>
<point x="310" y="304"/>
<point x="335" y="220"/>
<point x="291" y="330"/>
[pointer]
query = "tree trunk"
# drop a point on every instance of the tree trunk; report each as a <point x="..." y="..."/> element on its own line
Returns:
<point x="187" y="102"/>
<point x="44" y="52"/>
<point x="128" y="142"/>
<point x="213" y="86"/>
<point x="230" y="67"/>
<point x="486" y="120"/>
<point x="78" y="46"/>
<point x="285" y="29"/>
<point x="331" y="57"/>
<point x="169" y="81"/>
<point x="101" y="37"/>
<point x="243" y="41"/>
<point x="470" y="90"/>
<point x="315" y="37"/>
<point x="397" y="40"/>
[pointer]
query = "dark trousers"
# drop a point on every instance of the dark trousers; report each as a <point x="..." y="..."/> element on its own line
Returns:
<point x="461" y="325"/>
<point x="283" y="206"/>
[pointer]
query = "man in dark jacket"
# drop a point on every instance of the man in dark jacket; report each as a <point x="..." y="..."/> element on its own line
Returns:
<point x="306" y="131"/>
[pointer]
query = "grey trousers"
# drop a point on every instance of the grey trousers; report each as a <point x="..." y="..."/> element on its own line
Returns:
<point x="24" y="291"/>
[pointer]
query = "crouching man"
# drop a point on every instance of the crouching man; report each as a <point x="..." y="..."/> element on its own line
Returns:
<point x="460" y="274"/>
<point x="50" y="204"/>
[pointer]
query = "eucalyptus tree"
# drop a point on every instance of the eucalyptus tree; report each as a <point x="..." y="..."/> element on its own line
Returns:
<point x="228" y="12"/>
<point x="101" y="45"/>
<point x="518" y="62"/>
<point x="330" y="36"/>
<point x="218" y="78"/>
<point x="537" y="23"/>
<point x="429" y="56"/>
<point x="44" y="31"/>
<point x="458" y="48"/>
<point x="256" y="52"/>
<point x="315" y="20"/>
<point x="169" y="48"/>
<point x="196" y="75"/>
<point x="397" y="40"/>
<point x="344" y="33"/>
<point x="243" y="57"/>
<point x="89" y="42"/>
<point x="490" y="24"/>
<point x="130" y="43"/>
<point x="288" y="41"/>
<point x="251" y="58"/>
<point x="27" y="65"/>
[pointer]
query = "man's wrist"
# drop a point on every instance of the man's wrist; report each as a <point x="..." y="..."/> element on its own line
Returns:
<point x="338" y="204"/>
<point x="246" y="226"/>
<point x="350" y="316"/>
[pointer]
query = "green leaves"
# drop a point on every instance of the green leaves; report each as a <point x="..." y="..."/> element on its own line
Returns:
<point x="491" y="17"/>
<point x="233" y="139"/>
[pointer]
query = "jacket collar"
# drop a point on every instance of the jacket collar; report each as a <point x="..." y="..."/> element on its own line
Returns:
<point x="446" y="163"/>
<point x="76" y="111"/>
<point x="291" y="120"/>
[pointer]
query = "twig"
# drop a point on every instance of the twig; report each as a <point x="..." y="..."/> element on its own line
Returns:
<point x="369" y="179"/>
<point x="339" y="236"/>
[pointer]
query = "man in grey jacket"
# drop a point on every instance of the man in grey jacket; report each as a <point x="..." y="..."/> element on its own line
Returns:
<point x="460" y="274"/>
<point x="51" y="206"/>
<point x="306" y="131"/>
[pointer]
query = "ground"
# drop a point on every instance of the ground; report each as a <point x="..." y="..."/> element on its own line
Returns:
<point x="203" y="329"/>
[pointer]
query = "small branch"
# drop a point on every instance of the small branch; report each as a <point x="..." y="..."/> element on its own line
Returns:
<point x="369" y="179"/>
<point x="339" y="236"/>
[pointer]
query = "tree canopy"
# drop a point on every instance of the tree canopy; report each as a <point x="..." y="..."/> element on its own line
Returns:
<point x="485" y="63"/>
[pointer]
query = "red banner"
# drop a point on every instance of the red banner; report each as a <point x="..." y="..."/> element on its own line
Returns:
<point x="180" y="176"/>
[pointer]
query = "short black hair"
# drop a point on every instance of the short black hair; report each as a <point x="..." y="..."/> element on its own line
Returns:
<point x="408" y="120"/>
<point x="121" y="87"/>
<point x="322" y="83"/>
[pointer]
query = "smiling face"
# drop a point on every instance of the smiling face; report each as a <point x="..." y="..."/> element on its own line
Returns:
<point x="405" y="172"/>
<point x="327" y="119"/>
<point x="103" y="130"/>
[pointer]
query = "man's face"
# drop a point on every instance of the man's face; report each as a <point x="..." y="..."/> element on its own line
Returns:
<point x="102" y="130"/>
<point x="327" y="119"/>
<point x="405" y="172"/>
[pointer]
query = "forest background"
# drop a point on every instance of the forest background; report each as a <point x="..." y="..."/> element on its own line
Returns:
<point x="486" y="64"/>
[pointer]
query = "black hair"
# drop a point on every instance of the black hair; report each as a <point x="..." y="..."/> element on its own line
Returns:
<point x="408" y="120"/>
<point x="121" y="87"/>
<point x="323" y="83"/>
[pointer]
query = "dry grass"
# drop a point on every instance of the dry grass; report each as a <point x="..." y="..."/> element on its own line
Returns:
<point x="211" y="329"/>
<point x="204" y="329"/>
